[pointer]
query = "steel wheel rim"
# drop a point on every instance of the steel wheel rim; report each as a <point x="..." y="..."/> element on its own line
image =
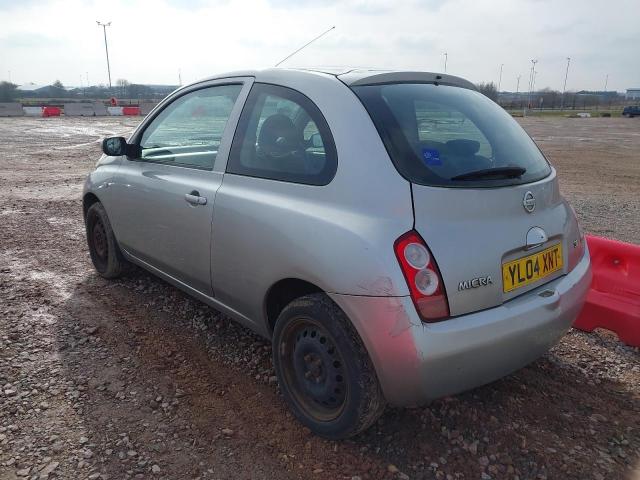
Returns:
<point x="314" y="369"/>
<point x="99" y="242"/>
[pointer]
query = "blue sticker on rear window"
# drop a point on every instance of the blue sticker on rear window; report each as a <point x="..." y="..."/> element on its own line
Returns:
<point x="431" y="156"/>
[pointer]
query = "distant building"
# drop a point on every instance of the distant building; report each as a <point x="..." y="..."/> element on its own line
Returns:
<point x="598" y="93"/>
<point x="31" y="87"/>
<point x="633" y="94"/>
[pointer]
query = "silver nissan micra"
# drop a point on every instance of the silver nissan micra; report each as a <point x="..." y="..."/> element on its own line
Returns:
<point x="396" y="235"/>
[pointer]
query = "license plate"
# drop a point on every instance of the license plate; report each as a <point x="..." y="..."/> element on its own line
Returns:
<point x="526" y="270"/>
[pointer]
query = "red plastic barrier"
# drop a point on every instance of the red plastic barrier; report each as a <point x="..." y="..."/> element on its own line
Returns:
<point x="51" y="111"/>
<point x="613" y="302"/>
<point x="131" y="110"/>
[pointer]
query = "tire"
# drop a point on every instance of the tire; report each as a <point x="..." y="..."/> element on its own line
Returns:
<point x="323" y="369"/>
<point x="103" y="247"/>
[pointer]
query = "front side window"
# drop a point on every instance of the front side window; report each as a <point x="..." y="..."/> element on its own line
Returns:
<point x="451" y="136"/>
<point x="188" y="132"/>
<point x="283" y="136"/>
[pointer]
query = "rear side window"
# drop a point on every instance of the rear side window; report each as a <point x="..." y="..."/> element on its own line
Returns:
<point x="188" y="131"/>
<point x="283" y="136"/>
<point x="451" y="136"/>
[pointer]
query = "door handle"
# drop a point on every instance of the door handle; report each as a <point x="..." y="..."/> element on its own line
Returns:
<point x="194" y="198"/>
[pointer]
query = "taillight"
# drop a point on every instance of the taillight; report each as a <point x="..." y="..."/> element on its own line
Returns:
<point x="423" y="277"/>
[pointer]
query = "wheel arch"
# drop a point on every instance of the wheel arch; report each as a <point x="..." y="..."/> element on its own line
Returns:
<point x="283" y="292"/>
<point x="88" y="199"/>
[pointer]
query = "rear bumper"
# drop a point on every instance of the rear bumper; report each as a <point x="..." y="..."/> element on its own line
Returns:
<point x="417" y="362"/>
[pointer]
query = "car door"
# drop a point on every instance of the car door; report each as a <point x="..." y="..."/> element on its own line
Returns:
<point x="282" y="152"/>
<point x="166" y="196"/>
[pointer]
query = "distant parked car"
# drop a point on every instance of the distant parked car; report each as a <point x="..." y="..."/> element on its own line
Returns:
<point x="631" y="111"/>
<point x="396" y="235"/>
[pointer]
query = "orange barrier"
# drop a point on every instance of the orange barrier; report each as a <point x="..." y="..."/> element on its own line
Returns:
<point x="51" y="111"/>
<point x="131" y="110"/>
<point x="613" y="302"/>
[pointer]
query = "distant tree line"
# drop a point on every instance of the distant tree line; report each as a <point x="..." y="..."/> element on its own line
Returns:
<point x="8" y="91"/>
<point x="554" y="99"/>
<point x="122" y="90"/>
<point x="489" y="90"/>
<point x="548" y="98"/>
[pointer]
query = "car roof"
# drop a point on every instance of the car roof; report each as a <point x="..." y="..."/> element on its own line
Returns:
<point x="354" y="76"/>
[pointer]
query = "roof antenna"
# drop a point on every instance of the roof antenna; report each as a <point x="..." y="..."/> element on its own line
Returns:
<point x="305" y="45"/>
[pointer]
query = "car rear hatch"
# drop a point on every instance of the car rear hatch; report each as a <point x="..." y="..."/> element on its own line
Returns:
<point x="486" y="201"/>
<point x="472" y="233"/>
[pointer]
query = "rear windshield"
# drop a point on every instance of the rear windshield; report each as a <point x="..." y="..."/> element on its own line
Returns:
<point x="451" y="136"/>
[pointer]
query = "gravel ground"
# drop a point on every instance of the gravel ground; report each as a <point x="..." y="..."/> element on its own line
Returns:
<point x="598" y="162"/>
<point x="134" y="379"/>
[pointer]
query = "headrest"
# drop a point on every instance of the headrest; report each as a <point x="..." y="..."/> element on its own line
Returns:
<point x="463" y="147"/>
<point x="279" y="135"/>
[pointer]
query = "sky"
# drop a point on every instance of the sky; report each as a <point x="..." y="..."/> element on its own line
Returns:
<point x="155" y="41"/>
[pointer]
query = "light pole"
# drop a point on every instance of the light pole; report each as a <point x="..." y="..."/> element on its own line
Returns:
<point x="500" y="78"/>
<point x="518" y="88"/>
<point x="533" y="66"/>
<point x="446" y="57"/>
<point x="564" y="88"/>
<point x="106" y="48"/>
<point x="604" y="93"/>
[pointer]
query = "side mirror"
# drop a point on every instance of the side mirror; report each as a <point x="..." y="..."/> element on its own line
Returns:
<point x="316" y="141"/>
<point x="114" y="146"/>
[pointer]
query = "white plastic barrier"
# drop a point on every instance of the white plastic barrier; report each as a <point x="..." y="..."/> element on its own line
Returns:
<point x="114" y="111"/>
<point x="79" y="109"/>
<point x="11" y="110"/>
<point x="99" y="109"/>
<point x="32" y="111"/>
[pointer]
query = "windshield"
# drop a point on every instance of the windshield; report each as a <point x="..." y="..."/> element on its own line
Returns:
<point x="451" y="136"/>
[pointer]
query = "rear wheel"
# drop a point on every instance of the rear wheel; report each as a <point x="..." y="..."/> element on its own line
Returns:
<point x="103" y="247"/>
<point x="323" y="369"/>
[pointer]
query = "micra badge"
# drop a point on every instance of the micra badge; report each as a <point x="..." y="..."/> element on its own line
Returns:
<point x="475" y="283"/>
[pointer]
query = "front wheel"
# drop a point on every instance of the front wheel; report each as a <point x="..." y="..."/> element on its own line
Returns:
<point x="103" y="247"/>
<point x="323" y="369"/>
